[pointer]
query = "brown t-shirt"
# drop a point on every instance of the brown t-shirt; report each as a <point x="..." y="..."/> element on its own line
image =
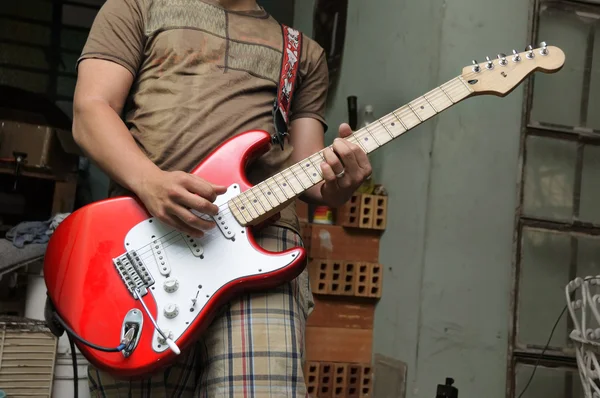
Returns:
<point x="203" y="74"/>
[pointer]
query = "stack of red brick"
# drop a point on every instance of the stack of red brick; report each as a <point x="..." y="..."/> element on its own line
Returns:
<point x="346" y="280"/>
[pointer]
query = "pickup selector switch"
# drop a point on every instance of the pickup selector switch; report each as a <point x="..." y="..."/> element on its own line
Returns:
<point x="171" y="310"/>
<point x="171" y="285"/>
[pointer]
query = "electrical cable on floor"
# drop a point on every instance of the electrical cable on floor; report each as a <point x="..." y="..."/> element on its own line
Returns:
<point x="543" y="351"/>
<point x="74" y="358"/>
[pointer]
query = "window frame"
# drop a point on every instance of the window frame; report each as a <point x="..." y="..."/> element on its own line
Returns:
<point x="582" y="136"/>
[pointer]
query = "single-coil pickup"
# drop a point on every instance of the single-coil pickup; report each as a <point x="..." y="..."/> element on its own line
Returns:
<point x="161" y="257"/>
<point x="195" y="247"/>
<point x="133" y="272"/>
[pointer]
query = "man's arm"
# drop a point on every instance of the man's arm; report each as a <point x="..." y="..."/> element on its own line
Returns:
<point x="100" y="94"/>
<point x="307" y="138"/>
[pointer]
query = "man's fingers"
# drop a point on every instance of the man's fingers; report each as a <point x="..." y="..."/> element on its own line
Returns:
<point x="181" y="226"/>
<point x="196" y="202"/>
<point x="343" y="149"/>
<point x="333" y="161"/>
<point x="201" y="187"/>
<point x="192" y="220"/>
<point x="328" y="172"/>
<point x="345" y="130"/>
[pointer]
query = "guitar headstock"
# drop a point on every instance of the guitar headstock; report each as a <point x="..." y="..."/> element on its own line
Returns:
<point x="501" y="75"/>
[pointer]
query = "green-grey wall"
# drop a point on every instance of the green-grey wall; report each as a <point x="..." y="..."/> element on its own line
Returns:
<point x="452" y="183"/>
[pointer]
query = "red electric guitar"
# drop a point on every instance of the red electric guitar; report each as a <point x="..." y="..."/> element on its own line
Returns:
<point x="134" y="292"/>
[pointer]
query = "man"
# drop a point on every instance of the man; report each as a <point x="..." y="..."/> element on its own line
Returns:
<point x="160" y="84"/>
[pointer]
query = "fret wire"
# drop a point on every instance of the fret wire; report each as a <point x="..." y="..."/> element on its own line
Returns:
<point x="275" y="190"/>
<point x="240" y="211"/>
<point x="386" y="129"/>
<point x="430" y="104"/>
<point x="257" y="199"/>
<point x="294" y="173"/>
<point x="250" y="201"/>
<point x="400" y="120"/>
<point x="286" y="182"/>
<point x="313" y="164"/>
<point x="413" y="111"/>
<point x="444" y="91"/>
<point x="371" y="134"/>
<point x="361" y="145"/>
<point x="265" y="195"/>
<point x="306" y="172"/>
<point x="316" y="166"/>
<point x="248" y="204"/>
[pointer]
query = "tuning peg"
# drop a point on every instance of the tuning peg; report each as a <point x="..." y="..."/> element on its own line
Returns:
<point x="529" y="52"/>
<point x="490" y="63"/>
<point x="502" y="58"/>
<point x="475" y="66"/>
<point x="544" y="50"/>
<point x="516" y="57"/>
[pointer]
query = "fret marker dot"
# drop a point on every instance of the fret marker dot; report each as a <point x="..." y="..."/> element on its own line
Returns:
<point x="314" y="174"/>
<point x="254" y="200"/>
<point x="284" y="184"/>
<point x="307" y="164"/>
<point x="422" y="107"/>
<point x="268" y="193"/>
<point x="242" y="207"/>
<point x="393" y="124"/>
<point x="366" y="138"/>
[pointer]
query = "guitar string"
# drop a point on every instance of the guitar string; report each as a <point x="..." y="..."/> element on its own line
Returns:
<point x="446" y="90"/>
<point x="451" y="87"/>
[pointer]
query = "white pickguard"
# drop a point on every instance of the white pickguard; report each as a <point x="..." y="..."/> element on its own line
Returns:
<point x="223" y="260"/>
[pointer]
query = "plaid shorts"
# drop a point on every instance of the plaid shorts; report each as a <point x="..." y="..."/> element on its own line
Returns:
<point x="254" y="348"/>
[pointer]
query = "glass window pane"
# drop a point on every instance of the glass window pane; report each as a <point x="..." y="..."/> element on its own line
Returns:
<point x="71" y="39"/>
<point x="78" y="16"/>
<point x="546" y="258"/>
<point x="35" y="82"/>
<point x="32" y="9"/>
<point x="23" y="56"/>
<point x="589" y="209"/>
<point x="66" y="107"/>
<point x="69" y="62"/>
<point x="548" y="382"/>
<point x="549" y="178"/>
<point x="557" y="97"/>
<point x="24" y="32"/>
<point x="66" y="86"/>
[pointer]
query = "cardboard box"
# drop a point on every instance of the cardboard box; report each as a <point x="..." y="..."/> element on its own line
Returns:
<point x="48" y="148"/>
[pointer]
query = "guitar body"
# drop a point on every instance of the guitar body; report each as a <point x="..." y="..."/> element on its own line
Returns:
<point x="187" y="280"/>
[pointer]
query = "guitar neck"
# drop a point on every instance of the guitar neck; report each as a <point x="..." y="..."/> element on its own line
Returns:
<point x="268" y="197"/>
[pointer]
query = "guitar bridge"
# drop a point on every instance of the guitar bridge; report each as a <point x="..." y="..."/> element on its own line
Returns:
<point x="133" y="272"/>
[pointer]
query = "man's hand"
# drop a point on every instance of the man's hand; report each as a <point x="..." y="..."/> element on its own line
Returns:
<point x="171" y="197"/>
<point x="345" y="172"/>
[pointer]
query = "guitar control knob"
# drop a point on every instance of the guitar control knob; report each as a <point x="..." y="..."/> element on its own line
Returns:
<point x="171" y="310"/>
<point x="171" y="285"/>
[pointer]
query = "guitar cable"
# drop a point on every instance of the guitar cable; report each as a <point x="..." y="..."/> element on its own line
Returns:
<point x="72" y="333"/>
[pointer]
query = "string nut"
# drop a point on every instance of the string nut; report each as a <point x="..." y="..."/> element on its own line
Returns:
<point x="475" y="66"/>
<point x="530" y="52"/>
<point x="516" y="57"/>
<point x="490" y="63"/>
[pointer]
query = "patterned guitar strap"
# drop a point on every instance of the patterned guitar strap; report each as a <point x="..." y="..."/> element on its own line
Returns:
<point x="292" y="46"/>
